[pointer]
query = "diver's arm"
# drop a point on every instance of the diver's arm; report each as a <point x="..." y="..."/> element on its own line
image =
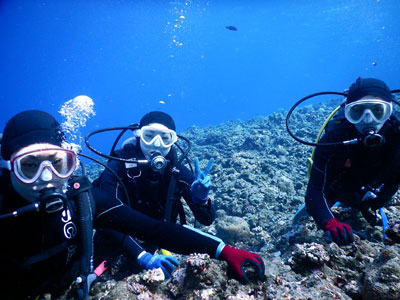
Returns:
<point x="390" y="184"/>
<point x="107" y="181"/>
<point x="121" y="244"/>
<point x="389" y="177"/>
<point x="316" y="203"/>
<point x="114" y="214"/>
<point x="389" y="188"/>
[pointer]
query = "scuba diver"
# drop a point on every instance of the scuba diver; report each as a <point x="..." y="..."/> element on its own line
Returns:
<point x="48" y="213"/>
<point x="150" y="190"/>
<point x="355" y="160"/>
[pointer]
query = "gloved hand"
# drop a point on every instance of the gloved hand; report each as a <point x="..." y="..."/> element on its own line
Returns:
<point x="237" y="259"/>
<point x="167" y="263"/>
<point x="202" y="183"/>
<point x="340" y="233"/>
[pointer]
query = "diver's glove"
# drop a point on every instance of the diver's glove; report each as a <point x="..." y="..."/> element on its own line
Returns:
<point x="202" y="183"/>
<point x="149" y="261"/>
<point x="340" y="233"/>
<point x="237" y="259"/>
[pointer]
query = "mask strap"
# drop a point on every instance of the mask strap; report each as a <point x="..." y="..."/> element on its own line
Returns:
<point x="5" y="164"/>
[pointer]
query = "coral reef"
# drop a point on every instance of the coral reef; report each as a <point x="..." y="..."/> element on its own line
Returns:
<point x="259" y="179"/>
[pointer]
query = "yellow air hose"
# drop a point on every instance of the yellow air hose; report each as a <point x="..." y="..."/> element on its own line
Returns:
<point x="311" y="158"/>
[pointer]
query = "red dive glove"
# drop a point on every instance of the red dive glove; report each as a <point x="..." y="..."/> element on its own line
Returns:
<point x="237" y="259"/>
<point x="340" y="233"/>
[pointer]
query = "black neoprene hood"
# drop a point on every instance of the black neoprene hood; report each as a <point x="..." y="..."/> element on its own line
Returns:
<point x="368" y="87"/>
<point x="27" y="128"/>
<point x="158" y="117"/>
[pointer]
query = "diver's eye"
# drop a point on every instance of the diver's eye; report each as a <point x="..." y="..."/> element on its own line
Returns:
<point x="57" y="162"/>
<point x="148" y="136"/>
<point x="29" y="168"/>
<point x="358" y="109"/>
<point x="30" y="165"/>
<point x="167" y="137"/>
<point x="378" y="109"/>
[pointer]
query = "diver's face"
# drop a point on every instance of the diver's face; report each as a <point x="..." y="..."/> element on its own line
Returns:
<point x="36" y="170"/>
<point x="156" y="138"/>
<point x="368" y="122"/>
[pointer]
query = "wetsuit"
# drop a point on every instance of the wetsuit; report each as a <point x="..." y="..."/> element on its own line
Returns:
<point x="345" y="173"/>
<point x="148" y="192"/>
<point x="40" y="253"/>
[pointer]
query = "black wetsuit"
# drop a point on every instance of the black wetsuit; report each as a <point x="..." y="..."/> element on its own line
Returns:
<point x="148" y="192"/>
<point x="29" y="267"/>
<point x="345" y="173"/>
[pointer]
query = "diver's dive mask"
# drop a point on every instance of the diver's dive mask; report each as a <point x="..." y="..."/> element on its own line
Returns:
<point x="29" y="166"/>
<point x="368" y="111"/>
<point x="157" y="135"/>
<point x="156" y="141"/>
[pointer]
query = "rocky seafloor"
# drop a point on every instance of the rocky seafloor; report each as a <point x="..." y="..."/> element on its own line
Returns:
<point x="259" y="179"/>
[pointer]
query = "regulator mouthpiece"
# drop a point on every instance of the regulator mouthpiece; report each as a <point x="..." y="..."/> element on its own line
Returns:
<point x="158" y="163"/>
<point x="52" y="201"/>
<point x="372" y="139"/>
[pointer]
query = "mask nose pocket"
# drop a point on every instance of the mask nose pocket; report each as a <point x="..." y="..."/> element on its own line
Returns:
<point x="368" y="117"/>
<point x="46" y="175"/>
<point x="157" y="142"/>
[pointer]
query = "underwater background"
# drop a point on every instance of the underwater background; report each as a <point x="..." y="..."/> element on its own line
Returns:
<point x="204" y="62"/>
<point x="232" y="69"/>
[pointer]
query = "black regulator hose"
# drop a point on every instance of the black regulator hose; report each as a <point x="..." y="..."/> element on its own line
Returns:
<point x="86" y="224"/>
<point x="297" y="104"/>
<point x="23" y="211"/>
<point x="353" y="141"/>
<point x="85" y="210"/>
<point x="49" y="202"/>
<point x="135" y="125"/>
<point x="124" y="129"/>
<point x="112" y="172"/>
<point x="184" y="153"/>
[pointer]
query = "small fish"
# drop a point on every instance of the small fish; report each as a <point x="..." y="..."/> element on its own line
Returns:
<point x="374" y="63"/>
<point x="233" y="28"/>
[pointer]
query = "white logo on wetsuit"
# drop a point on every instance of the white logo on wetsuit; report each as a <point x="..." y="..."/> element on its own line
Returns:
<point x="69" y="226"/>
<point x="69" y="233"/>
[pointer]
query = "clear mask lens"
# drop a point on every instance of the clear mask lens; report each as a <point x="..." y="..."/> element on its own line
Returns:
<point x="28" y="167"/>
<point x="377" y="110"/>
<point x="157" y="137"/>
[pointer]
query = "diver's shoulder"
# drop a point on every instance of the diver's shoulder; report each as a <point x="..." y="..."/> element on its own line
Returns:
<point x="129" y="150"/>
<point x="338" y="127"/>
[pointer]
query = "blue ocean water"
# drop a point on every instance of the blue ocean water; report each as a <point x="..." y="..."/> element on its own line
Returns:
<point x="132" y="57"/>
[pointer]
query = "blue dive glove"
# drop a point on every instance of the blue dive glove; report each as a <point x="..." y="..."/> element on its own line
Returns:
<point x="149" y="261"/>
<point x="202" y="182"/>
